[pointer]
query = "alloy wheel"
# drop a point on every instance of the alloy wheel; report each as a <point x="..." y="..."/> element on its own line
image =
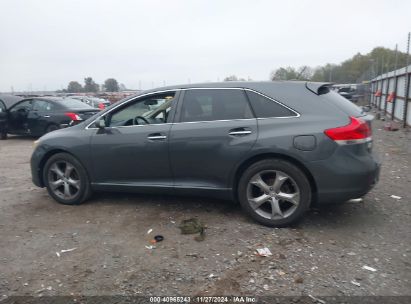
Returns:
<point x="273" y="194"/>
<point x="64" y="180"/>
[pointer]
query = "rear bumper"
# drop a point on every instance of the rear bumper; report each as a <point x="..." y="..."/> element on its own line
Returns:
<point x="350" y="173"/>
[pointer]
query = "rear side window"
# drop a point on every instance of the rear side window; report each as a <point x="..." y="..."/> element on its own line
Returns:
<point x="264" y="107"/>
<point x="343" y="104"/>
<point x="41" y="105"/>
<point x="212" y="104"/>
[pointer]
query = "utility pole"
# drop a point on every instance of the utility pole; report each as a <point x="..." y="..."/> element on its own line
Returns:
<point x="406" y="85"/>
<point x="395" y="83"/>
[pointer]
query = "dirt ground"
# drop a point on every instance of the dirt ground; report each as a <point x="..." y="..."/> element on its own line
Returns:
<point x="323" y="255"/>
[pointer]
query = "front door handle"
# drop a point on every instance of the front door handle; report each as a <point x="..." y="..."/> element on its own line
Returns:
<point x="240" y="132"/>
<point x="46" y="116"/>
<point x="156" y="136"/>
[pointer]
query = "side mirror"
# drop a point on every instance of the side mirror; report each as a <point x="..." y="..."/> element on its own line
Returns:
<point x="101" y="123"/>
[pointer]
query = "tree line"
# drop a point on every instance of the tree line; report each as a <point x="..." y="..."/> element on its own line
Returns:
<point x="354" y="70"/>
<point x="90" y="86"/>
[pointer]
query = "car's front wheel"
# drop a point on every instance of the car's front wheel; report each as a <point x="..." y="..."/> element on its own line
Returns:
<point x="66" y="179"/>
<point x="274" y="192"/>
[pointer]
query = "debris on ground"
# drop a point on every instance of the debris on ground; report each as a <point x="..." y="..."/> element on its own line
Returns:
<point x="396" y="197"/>
<point x="67" y="250"/>
<point x="149" y="231"/>
<point x="356" y="200"/>
<point x="391" y="126"/>
<point x="369" y="268"/>
<point x="158" y="238"/>
<point x="316" y="299"/>
<point x="264" y="252"/>
<point x="58" y="253"/>
<point x="298" y="280"/>
<point x="150" y="247"/>
<point x="192" y="226"/>
<point x="355" y="283"/>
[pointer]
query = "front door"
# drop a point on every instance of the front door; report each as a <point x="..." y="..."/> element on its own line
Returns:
<point x="216" y="129"/>
<point x="133" y="148"/>
<point x="18" y="114"/>
<point x="3" y="118"/>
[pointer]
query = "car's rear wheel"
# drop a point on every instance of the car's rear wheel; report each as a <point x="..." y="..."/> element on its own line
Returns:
<point x="51" y="128"/>
<point x="274" y="192"/>
<point x="66" y="179"/>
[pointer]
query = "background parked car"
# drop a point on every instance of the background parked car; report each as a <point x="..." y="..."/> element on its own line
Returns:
<point x="95" y="102"/>
<point x="6" y="101"/>
<point x="39" y="115"/>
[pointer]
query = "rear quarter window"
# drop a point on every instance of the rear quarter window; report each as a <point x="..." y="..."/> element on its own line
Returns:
<point x="343" y="104"/>
<point x="265" y="108"/>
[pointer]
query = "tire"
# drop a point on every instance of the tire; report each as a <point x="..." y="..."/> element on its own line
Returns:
<point x="51" y="128"/>
<point x="3" y="136"/>
<point x="73" y="184"/>
<point x="283" y="196"/>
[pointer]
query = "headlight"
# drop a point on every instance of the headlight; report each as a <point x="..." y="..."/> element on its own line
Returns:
<point x="36" y="143"/>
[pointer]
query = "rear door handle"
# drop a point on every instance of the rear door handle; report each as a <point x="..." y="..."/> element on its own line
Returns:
<point x="156" y="136"/>
<point x="240" y="132"/>
<point x="46" y="116"/>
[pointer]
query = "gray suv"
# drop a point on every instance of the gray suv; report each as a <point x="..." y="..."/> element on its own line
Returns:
<point x="275" y="147"/>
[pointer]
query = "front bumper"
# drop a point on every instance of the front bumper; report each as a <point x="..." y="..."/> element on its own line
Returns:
<point x="36" y="165"/>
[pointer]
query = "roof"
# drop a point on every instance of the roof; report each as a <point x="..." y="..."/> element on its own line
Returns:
<point x="256" y="85"/>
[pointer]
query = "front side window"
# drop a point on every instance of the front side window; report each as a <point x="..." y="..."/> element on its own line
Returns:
<point x="214" y="104"/>
<point x="264" y="107"/>
<point x="154" y="109"/>
<point x="23" y="106"/>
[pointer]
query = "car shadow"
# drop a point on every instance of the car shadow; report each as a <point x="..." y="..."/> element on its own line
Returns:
<point x="334" y="216"/>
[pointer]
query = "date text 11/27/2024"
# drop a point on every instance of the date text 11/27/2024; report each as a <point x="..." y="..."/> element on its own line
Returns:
<point x="204" y="299"/>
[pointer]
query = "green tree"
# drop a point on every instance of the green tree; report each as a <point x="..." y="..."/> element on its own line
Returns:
<point x="356" y="69"/>
<point x="74" y="87"/>
<point x="90" y="85"/>
<point x="287" y="73"/>
<point x="111" y="85"/>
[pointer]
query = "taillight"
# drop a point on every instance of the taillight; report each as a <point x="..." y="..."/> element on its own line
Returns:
<point x="73" y="116"/>
<point x="101" y="106"/>
<point x="357" y="131"/>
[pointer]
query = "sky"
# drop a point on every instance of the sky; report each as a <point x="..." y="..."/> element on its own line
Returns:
<point x="44" y="44"/>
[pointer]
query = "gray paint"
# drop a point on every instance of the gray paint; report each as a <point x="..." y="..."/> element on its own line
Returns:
<point x="201" y="158"/>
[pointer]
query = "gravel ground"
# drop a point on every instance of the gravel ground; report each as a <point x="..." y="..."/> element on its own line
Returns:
<point x="323" y="255"/>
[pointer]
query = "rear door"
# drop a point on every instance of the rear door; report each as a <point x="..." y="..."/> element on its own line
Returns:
<point x="39" y="117"/>
<point x="214" y="131"/>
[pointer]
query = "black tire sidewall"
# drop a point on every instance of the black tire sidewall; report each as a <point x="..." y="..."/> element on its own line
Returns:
<point x="84" y="180"/>
<point x="51" y="128"/>
<point x="280" y="165"/>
